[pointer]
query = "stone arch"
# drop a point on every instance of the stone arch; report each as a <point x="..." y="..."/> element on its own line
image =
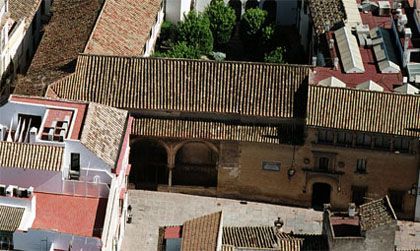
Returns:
<point x="149" y="160"/>
<point x="332" y="181"/>
<point x="195" y="164"/>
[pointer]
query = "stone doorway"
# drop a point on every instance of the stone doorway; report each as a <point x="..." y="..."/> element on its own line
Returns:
<point x="321" y="194"/>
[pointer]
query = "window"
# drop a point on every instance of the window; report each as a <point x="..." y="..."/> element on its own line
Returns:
<point x="323" y="163"/>
<point x="396" y="198"/>
<point x="345" y="138"/>
<point x="271" y="166"/>
<point x="363" y="140"/>
<point x="361" y="166"/>
<point x="325" y="137"/>
<point x="358" y="194"/>
<point x="383" y="142"/>
<point x="401" y="145"/>
<point x="75" y="162"/>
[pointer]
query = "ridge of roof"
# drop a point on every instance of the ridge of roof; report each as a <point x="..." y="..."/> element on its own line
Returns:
<point x="136" y="83"/>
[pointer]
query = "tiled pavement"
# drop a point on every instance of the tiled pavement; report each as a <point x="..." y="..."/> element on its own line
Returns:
<point x="154" y="209"/>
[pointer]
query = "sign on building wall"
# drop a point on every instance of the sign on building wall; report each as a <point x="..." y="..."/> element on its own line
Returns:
<point x="271" y="166"/>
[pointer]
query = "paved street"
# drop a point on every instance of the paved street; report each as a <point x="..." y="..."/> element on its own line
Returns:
<point x="154" y="209"/>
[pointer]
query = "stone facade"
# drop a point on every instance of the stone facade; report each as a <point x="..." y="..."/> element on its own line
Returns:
<point x="292" y="170"/>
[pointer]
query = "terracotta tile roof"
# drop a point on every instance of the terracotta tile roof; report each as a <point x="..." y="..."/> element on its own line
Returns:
<point x="166" y="128"/>
<point x="201" y="233"/>
<point x="376" y="213"/>
<point x="30" y="156"/>
<point x="23" y="9"/>
<point x="10" y="218"/>
<point x="324" y="11"/>
<point x="123" y="27"/>
<point x="81" y="216"/>
<point x="360" y="110"/>
<point x="103" y="131"/>
<point x="263" y="237"/>
<point x="65" y="36"/>
<point x="253" y="89"/>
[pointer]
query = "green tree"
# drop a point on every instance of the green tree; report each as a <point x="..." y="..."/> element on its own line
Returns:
<point x="180" y="50"/>
<point x="276" y="56"/>
<point x="252" y="24"/>
<point x="195" y="32"/>
<point x="222" y="21"/>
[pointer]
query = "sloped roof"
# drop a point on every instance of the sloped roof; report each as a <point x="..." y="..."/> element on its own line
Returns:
<point x="23" y="9"/>
<point x="263" y="237"/>
<point x="168" y="128"/>
<point x="361" y="110"/>
<point x="103" y="131"/>
<point x="332" y="82"/>
<point x="370" y="85"/>
<point x="249" y="89"/>
<point x="64" y="37"/>
<point x="123" y="27"/>
<point x="349" y="51"/>
<point x="326" y="11"/>
<point x="10" y="218"/>
<point x="201" y="233"/>
<point x="376" y="213"/>
<point x="31" y="156"/>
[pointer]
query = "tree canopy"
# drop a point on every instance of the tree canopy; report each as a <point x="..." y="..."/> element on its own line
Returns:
<point x="195" y="32"/>
<point x="222" y="21"/>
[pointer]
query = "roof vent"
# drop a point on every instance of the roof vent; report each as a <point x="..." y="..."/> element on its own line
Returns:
<point x="370" y="85"/>
<point x="3" y="130"/>
<point x="352" y="209"/>
<point x="332" y="82"/>
<point x="407" y="89"/>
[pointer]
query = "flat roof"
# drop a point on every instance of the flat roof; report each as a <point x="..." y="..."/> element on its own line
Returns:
<point x="387" y="81"/>
<point x="82" y="216"/>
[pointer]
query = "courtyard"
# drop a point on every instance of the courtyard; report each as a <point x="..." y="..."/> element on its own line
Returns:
<point x="154" y="209"/>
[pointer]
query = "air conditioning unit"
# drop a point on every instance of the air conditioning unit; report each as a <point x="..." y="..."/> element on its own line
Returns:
<point x="10" y="191"/>
<point x="51" y="134"/>
<point x="384" y="8"/>
<point x="23" y="192"/>
<point x="32" y="135"/>
<point x="30" y="191"/>
<point x="2" y="190"/>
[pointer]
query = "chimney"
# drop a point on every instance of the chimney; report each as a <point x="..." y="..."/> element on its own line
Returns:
<point x="3" y="130"/>
<point x="32" y="135"/>
<point x="279" y="224"/>
<point x="331" y="44"/>
<point x="352" y="209"/>
<point x="314" y="59"/>
<point x="336" y="62"/>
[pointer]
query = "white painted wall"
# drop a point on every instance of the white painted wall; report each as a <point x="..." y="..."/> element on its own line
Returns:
<point x="29" y="204"/>
<point x="90" y="164"/>
<point x="11" y="110"/>
<point x="150" y="44"/>
<point x="175" y="10"/>
<point x="35" y="239"/>
<point x="42" y="181"/>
